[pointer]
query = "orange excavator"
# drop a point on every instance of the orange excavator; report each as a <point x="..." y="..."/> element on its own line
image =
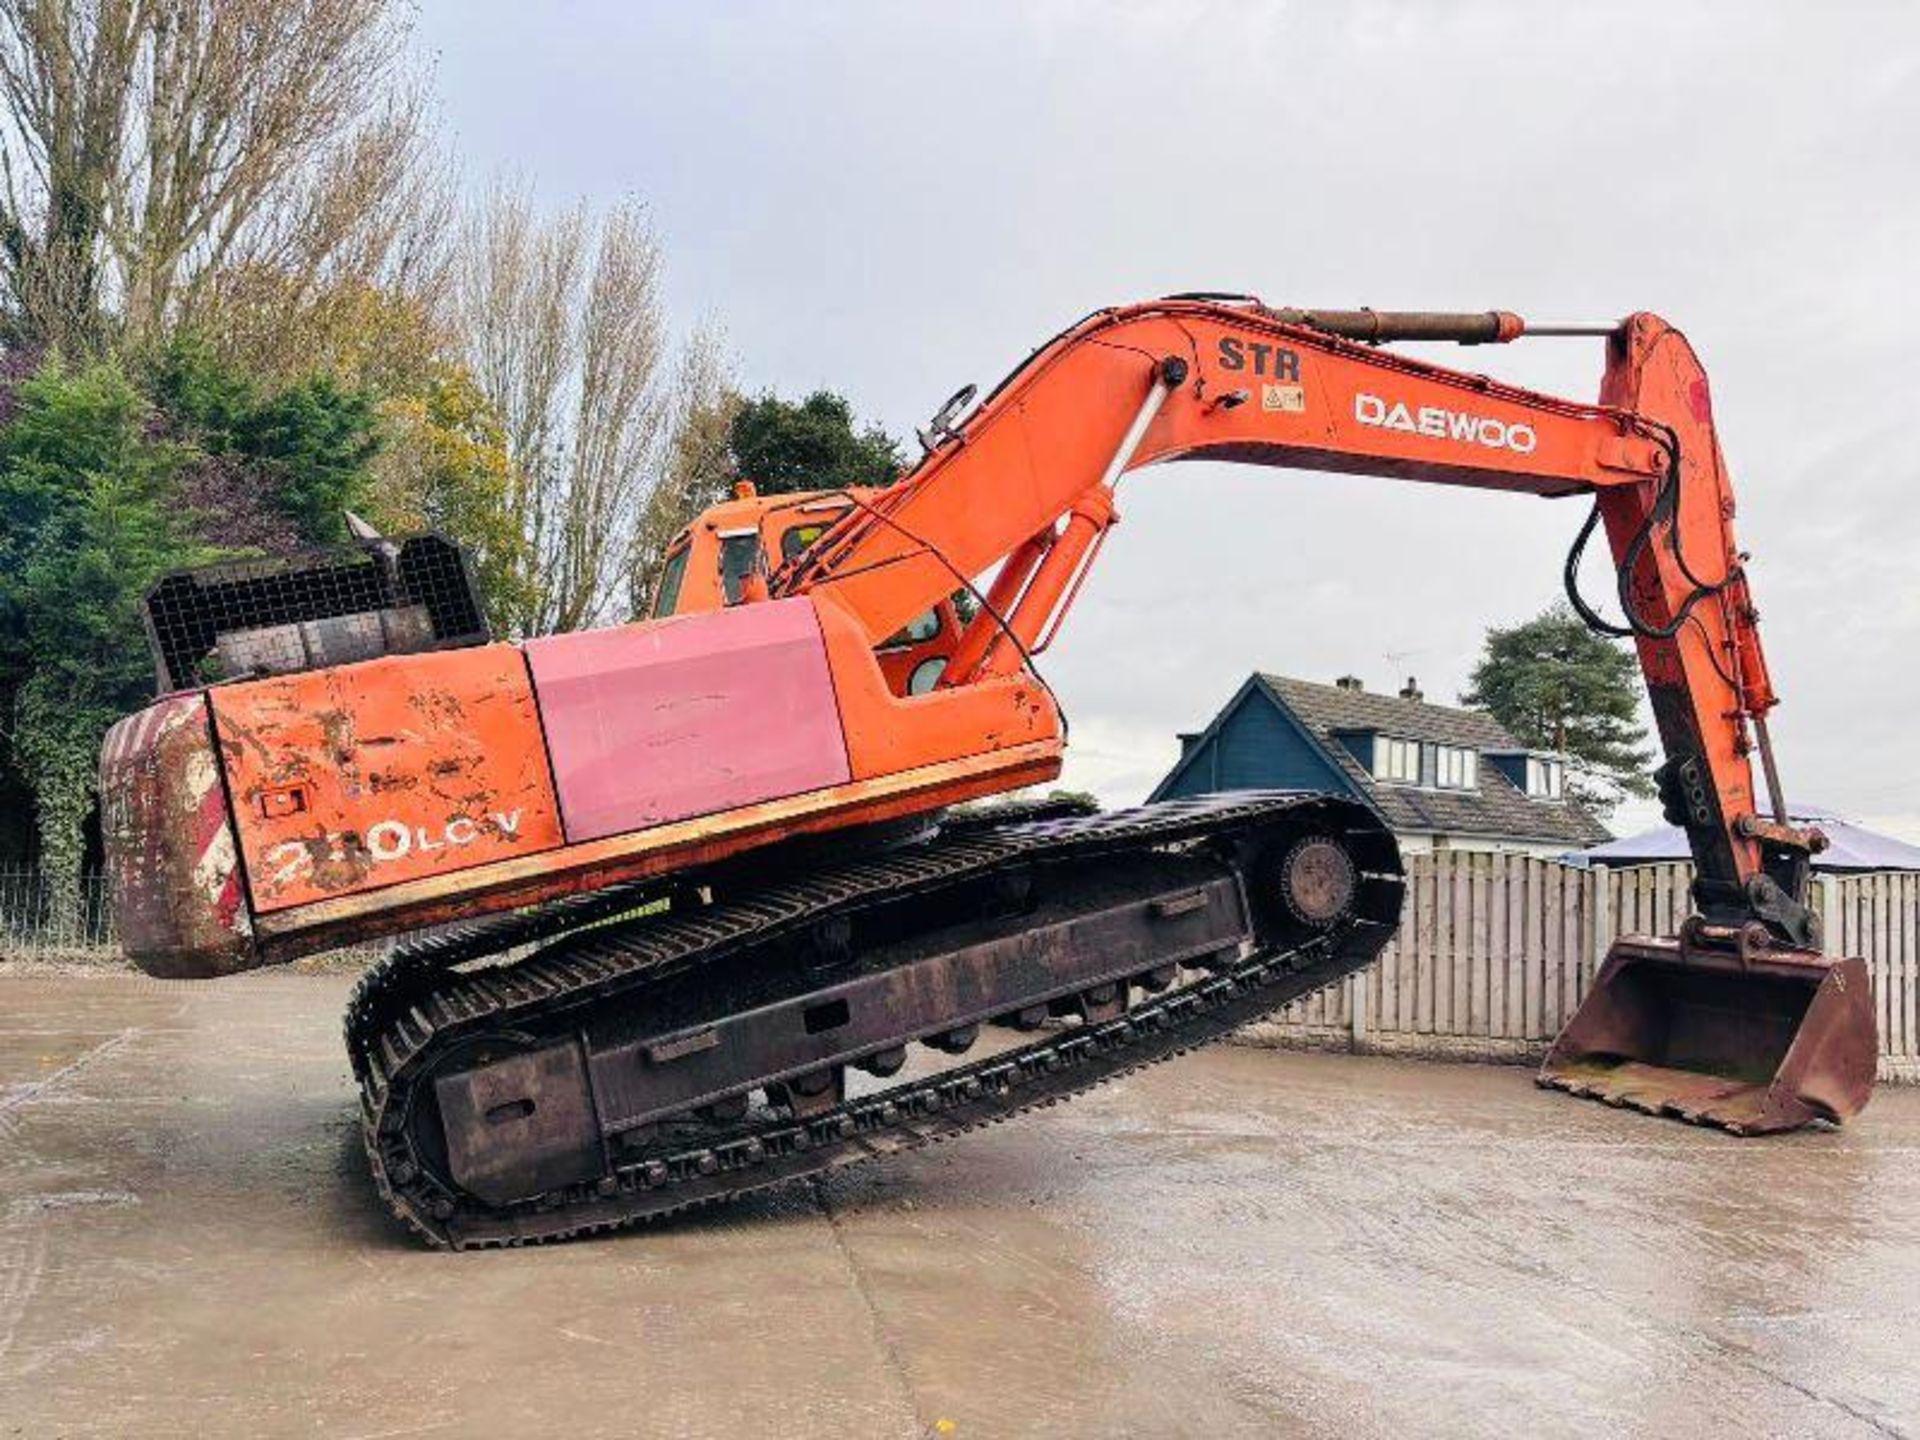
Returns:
<point x="682" y="898"/>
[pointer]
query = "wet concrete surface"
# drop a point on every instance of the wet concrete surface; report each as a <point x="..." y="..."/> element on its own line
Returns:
<point x="1242" y="1242"/>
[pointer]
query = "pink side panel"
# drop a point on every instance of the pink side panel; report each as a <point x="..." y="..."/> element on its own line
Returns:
<point x="667" y="719"/>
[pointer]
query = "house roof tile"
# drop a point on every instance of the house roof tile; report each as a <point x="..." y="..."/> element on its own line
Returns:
<point x="1496" y="809"/>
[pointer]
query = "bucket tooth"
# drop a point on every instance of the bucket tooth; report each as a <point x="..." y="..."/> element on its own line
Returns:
<point x="1753" y="1042"/>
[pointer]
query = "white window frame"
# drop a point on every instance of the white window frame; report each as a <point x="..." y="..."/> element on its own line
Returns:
<point x="1396" y="761"/>
<point x="1456" y="767"/>
<point x="1546" y="778"/>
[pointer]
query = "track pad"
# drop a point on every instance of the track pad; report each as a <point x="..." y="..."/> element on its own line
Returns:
<point x="520" y="1125"/>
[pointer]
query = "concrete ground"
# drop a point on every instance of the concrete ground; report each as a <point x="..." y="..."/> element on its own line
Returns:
<point x="1241" y="1243"/>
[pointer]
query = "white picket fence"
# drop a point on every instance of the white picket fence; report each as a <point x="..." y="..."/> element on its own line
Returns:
<point x="1495" y="951"/>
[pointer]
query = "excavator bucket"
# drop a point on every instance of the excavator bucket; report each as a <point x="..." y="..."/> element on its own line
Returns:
<point x="1751" y="1040"/>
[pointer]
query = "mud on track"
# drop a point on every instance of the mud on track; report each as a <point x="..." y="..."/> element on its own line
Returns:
<point x="1242" y="1242"/>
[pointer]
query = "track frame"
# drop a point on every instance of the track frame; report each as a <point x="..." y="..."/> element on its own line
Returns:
<point x="404" y="1029"/>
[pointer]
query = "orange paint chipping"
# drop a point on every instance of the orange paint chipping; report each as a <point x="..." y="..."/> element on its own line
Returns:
<point x="362" y="776"/>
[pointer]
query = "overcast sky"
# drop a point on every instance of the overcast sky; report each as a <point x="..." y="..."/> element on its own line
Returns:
<point x="891" y="199"/>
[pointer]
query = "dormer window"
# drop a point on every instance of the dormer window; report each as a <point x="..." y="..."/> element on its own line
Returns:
<point x="1396" y="760"/>
<point x="1546" y="779"/>
<point x="1455" y="767"/>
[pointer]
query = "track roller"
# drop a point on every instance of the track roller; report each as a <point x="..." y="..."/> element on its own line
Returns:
<point x="1158" y="979"/>
<point x="813" y="1093"/>
<point x="884" y="1062"/>
<point x="956" y="1041"/>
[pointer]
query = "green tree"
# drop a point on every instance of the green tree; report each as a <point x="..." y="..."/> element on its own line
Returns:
<point x="813" y="445"/>
<point x="1558" y="686"/>
<point x="445" y="467"/>
<point x="197" y="391"/>
<point x="89" y="516"/>
<point x="315" y="441"/>
<point x="307" y="448"/>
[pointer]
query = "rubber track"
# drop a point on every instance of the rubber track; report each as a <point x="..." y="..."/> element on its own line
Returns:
<point x="397" y="1028"/>
<point x="417" y="966"/>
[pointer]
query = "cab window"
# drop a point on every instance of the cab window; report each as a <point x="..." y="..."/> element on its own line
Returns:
<point x="916" y="631"/>
<point x="799" y="539"/>
<point x="739" y="553"/>
<point x="671" y="577"/>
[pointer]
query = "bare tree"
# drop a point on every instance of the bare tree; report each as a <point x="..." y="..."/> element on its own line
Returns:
<point x="565" y="333"/>
<point x="698" y="465"/>
<point x="66" y="80"/>
<point x="367" y="242"/>
<point x="154" y="147"/>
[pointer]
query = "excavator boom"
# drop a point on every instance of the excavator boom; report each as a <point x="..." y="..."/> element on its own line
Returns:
<point x="727" y="830"/>
<point x="1226" y="381"/>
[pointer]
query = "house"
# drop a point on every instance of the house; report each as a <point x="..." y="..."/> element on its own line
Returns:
<point x="1442" y="778"/>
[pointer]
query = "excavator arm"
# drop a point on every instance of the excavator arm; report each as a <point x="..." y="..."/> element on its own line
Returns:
<point x="1025" y="483"/>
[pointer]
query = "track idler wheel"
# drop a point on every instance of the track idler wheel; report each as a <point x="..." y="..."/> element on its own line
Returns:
<point x="1317" y="881"/>
<point x="1301" y="886"/>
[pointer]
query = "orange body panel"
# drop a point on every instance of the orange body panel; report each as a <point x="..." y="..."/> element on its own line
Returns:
<point x="663" y="850"/>
<point x="366" y="775"/>
<point x="887" y="733"/>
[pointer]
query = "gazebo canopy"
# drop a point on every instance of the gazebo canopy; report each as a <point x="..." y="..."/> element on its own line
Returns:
<point x="1850" y="847"/>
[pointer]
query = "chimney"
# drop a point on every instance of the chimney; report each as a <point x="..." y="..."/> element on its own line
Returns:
<point x="1188" y="740"/>
<point x="1349" y="682"/>
<point x="1411" y="691"/>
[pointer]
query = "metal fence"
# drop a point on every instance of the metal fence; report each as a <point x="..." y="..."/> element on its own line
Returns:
<point x="36" y="923"/>
<point x="1495" y="951"/>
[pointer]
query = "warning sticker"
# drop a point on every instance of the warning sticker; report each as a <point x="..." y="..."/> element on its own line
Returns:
<point x="1291" y="399"/>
